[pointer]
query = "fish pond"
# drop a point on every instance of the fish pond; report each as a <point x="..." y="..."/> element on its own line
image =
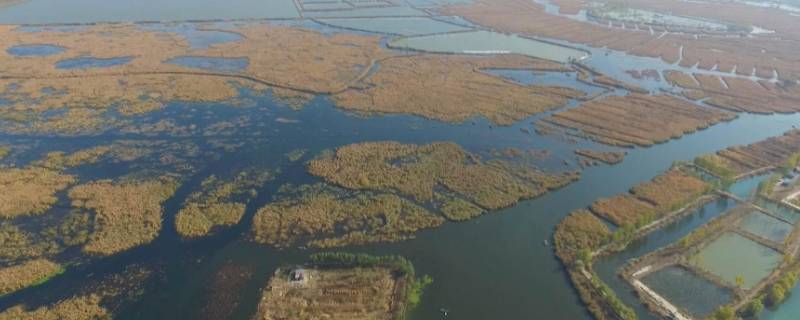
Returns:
<point x="687" y="290"/>
<point x="733" y="256"/>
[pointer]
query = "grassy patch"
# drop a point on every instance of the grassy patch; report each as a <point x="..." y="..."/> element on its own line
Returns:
<point x="27" y="274"/>
<point x="127" y="214"/>
<point x="30" y="191"/>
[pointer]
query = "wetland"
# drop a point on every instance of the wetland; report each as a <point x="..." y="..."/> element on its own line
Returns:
<point x="361" y="159"/>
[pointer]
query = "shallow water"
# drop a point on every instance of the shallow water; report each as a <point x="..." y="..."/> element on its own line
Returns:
<point x="197" y="38"/>
<point x="542" y="78"/>
<point x="88" y="11"/>
<point x="35" y="50"/>
<point x="487" y="42"/>
<point x="398" y="26"/>
<point x="766" y="227"/>
<point x="687" y="290"/>
<point x="731" y="256"/>
<point x="90" y="62"/>
<point x="211" y="63"/>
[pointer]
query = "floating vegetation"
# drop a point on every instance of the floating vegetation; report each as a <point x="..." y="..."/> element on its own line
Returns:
<point x="83" y="307"/>
<point x="127" y="213"/>
<point x="225" y="290"/>
<point x="453" y="89"/>
<point x="220" y="202"/>
<point x="324" y="216"/>
<point x="17" y="244"/>
<point x="96" y="300"/>
<point x="27" y="274"/>
<point x="606" y="157"/>
<point x="419" y="171"/>
<point x="343" y="286"/>
<point x="637" y="120"/>
<point x="30" y="191"/>
<point x="58" y="160"/>
<point x="4" y="151"/>
<point x="296" y="154"/>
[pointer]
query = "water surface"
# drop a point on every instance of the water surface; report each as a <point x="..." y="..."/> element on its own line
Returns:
<point x="91" y="62"/>
<point x="766" y="227"/>
<point x="35" y="50"/>
<point x="687" y="290"/>
<point x="89" y="11"/>
<point x="732" y="255"/>
<point x="211" y="63"/>
<point x="487" y="42"/>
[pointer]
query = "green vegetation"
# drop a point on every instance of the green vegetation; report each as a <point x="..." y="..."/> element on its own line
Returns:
<point x="724" y="313"/>
<point x="414" y="286"/>
<point x="766" y="187"/>
<point x="4" y="151"/>
<point x="30" y="191"/>
<point x="717" y="166"/>
<point x="127" y="213"/>
<point x="296" y="154"/>
<point x="27" y="274"/>
<point x="456" y="209"/>
<point x="791" y="162"/>
<point x="219" y="202"/>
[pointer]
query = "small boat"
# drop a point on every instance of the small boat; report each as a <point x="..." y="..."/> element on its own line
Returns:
<point x="545" y="243"/>
<point x="444" y="311"/>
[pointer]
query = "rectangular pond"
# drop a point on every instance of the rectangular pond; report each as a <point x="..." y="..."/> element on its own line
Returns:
<point x="487" y="42"/>
<point x="400" y="26"/>
<point x="732" y="255"/>
<point x="766" y="226"/>
<point x="688" y="291"/>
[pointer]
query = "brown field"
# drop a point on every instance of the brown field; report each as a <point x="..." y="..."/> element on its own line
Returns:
<point x="220" y="202"/>
<point x="637" y="120"/>
<point x="30" y="190"/>
<point x="127" y="214"/>
<point x="353" y="294"/>
<point x="418" y="170"/>
<point x="453" y="89"/>
<point x="670" y="189"/>
<point x="26" y="274"/>
<point x="650" y="200"/>
<point x="740" y="95"/>
<point x="580" y="230"/>
<point x="772" y="152"/>
<point x="623" y="209"/>
<point x="525" y="17"/>
<point x="323" y="217"/>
